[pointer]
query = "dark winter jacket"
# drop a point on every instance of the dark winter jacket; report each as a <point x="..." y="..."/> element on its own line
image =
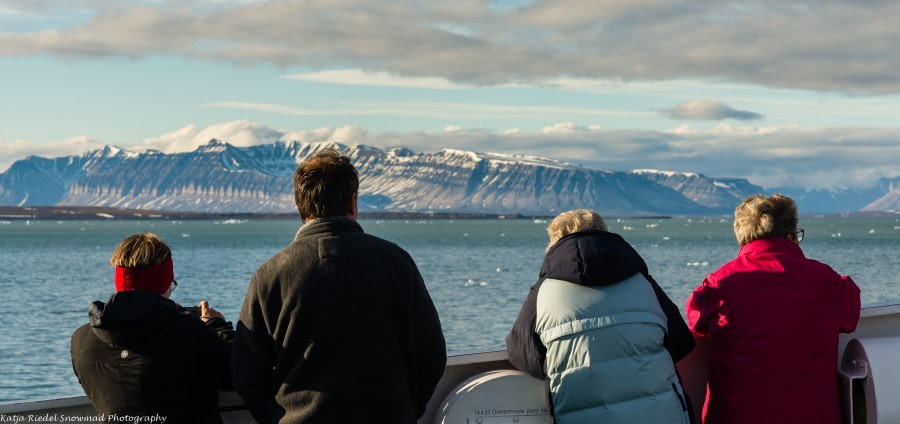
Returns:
<point x="603" y="334"/>
<point x="337" y="328"/>
<point x="141" y="356"/>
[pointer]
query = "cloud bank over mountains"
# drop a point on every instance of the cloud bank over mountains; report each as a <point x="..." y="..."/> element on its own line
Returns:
<point x="825" y="45"/>
<point x="616" y="69"/>
<point x="772" y="156"/>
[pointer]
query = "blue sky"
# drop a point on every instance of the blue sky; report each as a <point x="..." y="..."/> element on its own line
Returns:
<point x="801" y="94"/>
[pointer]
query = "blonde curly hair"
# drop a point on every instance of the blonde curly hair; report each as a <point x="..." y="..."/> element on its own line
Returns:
<point x="572" y="222"/>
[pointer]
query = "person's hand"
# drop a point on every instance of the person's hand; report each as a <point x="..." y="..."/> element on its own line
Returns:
<point x="207" y="313"/>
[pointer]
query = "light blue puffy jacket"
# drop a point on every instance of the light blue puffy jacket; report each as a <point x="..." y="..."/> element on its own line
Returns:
<point x="605" y="357"/>
<point x="603" y="334"/>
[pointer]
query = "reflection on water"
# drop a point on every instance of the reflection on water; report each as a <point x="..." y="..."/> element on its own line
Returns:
<point x="478" y="273"/>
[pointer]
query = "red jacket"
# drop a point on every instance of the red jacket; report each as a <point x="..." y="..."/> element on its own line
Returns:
<point x="774" y="318"/>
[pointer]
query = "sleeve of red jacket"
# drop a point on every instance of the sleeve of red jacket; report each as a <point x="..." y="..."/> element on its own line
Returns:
<point x="849" y="305"/>
<point x="702" y="306"/>
<point x="524" y="347"/>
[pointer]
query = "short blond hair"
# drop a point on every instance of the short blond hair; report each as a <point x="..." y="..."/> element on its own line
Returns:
<point x="572" y="222"/>
<point x="139" y="251"/>
<point x="761" y="217"/>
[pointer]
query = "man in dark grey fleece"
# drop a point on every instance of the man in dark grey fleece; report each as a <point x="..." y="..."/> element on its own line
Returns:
<point x="338" y="327"/>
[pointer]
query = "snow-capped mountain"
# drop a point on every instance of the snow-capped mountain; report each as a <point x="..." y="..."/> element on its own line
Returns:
<point x="219" y="177"/>
<point x="884" y="196"/>
<point x="711" y="192"/>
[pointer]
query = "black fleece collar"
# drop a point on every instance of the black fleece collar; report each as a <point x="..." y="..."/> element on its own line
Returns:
<point x="592" y="258"/>
<point x="129" y="314"/>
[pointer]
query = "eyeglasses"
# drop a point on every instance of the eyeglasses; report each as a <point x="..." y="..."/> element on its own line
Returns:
<point x="799" y="235"/>
<point x="174" y="286"/>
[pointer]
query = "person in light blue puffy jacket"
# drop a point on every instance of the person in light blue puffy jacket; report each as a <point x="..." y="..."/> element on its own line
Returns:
<point x="600" y="330"/>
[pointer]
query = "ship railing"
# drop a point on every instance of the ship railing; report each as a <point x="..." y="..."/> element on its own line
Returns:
<point x="868" y="380"/>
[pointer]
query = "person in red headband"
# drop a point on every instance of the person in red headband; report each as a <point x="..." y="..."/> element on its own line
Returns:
<point x="143" y="355"/>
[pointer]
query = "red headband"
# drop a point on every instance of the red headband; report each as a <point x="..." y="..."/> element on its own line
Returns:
<point x="155" y="279"/>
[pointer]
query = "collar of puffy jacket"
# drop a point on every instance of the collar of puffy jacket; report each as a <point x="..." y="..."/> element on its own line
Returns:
<point x="772" y="245"/>
<point x="592" y="258"/>
<point x="129" y="315"/>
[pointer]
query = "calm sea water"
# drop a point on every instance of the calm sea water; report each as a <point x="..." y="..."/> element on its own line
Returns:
<point x="478" y="273"/>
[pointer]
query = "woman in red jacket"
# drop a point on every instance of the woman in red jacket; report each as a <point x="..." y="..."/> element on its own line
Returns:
<point x="773" y="318"/>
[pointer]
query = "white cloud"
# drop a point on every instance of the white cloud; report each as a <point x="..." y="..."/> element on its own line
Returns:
<point x="569" y="128"/>
<point x="270" y="108"/>
<point x="350" y="134"/>
<point x="10" y="151"/>
<point x="442" y="110"/>
<point x="382" y="79"/>
<point x="188" y="138"/>
<point x="726" y="129"/>
<point x="708" y="110"/>
<point x="430" y="44"/>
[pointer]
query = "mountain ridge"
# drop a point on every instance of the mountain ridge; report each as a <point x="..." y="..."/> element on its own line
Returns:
<point x="223" y="178"/>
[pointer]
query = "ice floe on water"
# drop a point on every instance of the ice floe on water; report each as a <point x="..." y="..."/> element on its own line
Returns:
<point x="698" y="263"/>
<point x="471" y="282"/>
<point x="231" y="221"/>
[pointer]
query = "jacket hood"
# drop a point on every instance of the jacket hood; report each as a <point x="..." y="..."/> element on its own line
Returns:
<point x="129" y="315"/>
<point x="592" y="258"/>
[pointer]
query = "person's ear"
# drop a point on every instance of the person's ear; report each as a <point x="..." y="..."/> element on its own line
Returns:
<point x="791" y="237"/>
<point x="353" y="207"/>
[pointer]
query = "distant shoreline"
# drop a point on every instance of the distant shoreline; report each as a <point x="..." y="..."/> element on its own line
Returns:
<point x="59" y="213"/>
<point x="102" y="213"/>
